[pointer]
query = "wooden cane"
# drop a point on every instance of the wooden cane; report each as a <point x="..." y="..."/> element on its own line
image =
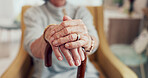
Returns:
<point x="48" y="62"/>
<point x="48" y="51"/>
<point x="48" y="58"/>
<point x="48" y="55"/>
<point x="81" y="68"/>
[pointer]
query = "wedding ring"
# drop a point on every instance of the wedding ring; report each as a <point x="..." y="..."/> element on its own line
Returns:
<point x="78" y="37"/>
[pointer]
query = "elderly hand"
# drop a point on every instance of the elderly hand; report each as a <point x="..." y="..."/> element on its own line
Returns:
<point x="77" y="53"/>
<point x="67" y="33"/>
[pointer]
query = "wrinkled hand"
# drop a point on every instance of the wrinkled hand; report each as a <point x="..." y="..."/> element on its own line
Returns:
<point x="68" y="32"/>
<point x="77" y="53"/>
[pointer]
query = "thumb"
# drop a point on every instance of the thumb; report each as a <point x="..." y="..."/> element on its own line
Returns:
<point x="66" y="18"/>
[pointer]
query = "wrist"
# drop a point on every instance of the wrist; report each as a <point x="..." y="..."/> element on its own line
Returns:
<point x="37" y="47"/>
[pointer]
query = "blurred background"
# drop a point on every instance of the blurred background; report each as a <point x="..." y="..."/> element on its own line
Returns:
<point x="125" y="25"/>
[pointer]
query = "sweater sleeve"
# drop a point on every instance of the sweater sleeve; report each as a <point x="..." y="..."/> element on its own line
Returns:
<point x="86" y="17"/>
<point x="34" y="28"/>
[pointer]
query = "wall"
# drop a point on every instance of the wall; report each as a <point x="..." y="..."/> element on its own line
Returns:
<point x="9" y="9"/>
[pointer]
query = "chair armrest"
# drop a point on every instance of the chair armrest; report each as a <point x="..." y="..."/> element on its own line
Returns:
<point x="111" y="66"/>
<point x="108" y="63"/>
<point x="20" y="67"/>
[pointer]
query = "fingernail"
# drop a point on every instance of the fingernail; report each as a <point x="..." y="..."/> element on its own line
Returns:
<point x="51" y="39"/>
<point x="60" y="58"/>
<point x="55" y="42"/>
<point x="71" y="63"/>
<point x="77" y="62"/>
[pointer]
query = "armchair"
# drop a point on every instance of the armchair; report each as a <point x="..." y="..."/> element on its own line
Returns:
<point x="104" y="61"/>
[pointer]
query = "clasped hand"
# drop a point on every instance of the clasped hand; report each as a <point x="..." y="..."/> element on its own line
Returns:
<point x="64" y="37"/>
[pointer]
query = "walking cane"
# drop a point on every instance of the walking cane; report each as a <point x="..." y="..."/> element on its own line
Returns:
<point x="81" y="68"/>
<point x="48" y="58"/>
<point x="48" y="62"/>
<point x="48" y="55"/>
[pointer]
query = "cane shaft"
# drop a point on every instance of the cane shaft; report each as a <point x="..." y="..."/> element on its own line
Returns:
<point x="48" y="55"/>
<point x="81" y="69"/>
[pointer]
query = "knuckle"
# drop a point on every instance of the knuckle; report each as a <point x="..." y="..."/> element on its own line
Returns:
<point x="58" y="42"/>
<point x="70" y="45"/>
<point x="56" y="35"/>
<point x="66" y="30"/>
<point x="50" y="28"/>
<point x="54" y="30"/>
<point x="64" y="51"/>
<point x="71" y="37"/>
<point x="68" y="57"/>
<point x="78" y="43"/>
<point x="63" y="23"/>
<point x="76" y="57"/>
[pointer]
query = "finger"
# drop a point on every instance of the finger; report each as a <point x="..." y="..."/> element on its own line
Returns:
<point x="52" y="31"/>
<point x="72" y="22"/>
<point x="66" y="18"/>
<point x="59" y="27"/>
<point x="57" y="53"/>
<point x="69" y="30"/>
<point x="67" y="55"/>
<point x="75" y="44"/>
<point x="81" y="53"/>
<point x="63" y="40"/>
<point x="56" y="29"/>
<point x="76" y="57"/>
<point x="48" y="32"/>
